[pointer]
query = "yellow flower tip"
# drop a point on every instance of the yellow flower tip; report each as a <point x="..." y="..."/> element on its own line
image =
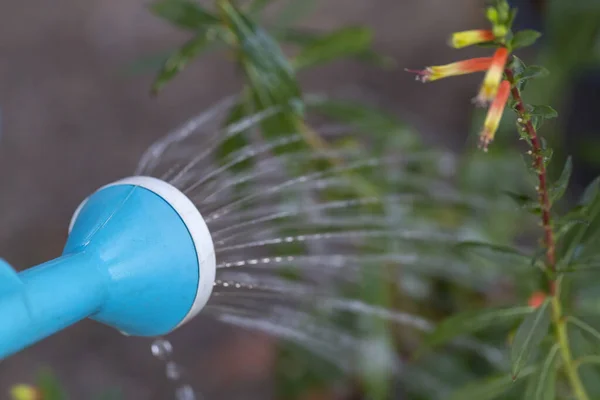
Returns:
<point x="494" y="115"/>
<point x="24" y="392"/>
<point x="486" y="94"/>
<point x="459" y="40"/>
<point x="492" y="79"/>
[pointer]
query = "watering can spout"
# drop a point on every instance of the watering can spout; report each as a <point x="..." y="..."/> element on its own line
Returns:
<point x="139" y="258"/>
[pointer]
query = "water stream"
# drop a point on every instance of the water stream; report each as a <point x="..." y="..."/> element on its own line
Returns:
<point x="291" y="246"/>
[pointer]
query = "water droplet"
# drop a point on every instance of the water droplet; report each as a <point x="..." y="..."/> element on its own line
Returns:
<point x="173" y="371"/>
<point x="185" y="392"/>
<point x="161" y="349"/>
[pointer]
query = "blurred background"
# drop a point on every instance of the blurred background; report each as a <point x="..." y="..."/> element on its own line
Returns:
<point x="74" y="116"/>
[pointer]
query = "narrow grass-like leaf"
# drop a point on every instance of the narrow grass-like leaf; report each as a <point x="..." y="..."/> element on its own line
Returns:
<point x="235" y="142"/>
<point x="184" y="14"/>
<point x="271" y="77"/>
<point x="496" y="254"/>
<point x="489" y="388"/>
<point x="345" y="42"/>
<point x="473" y="321"/>
<point x="305" y="38"/>
<point x="591" y="359"/>
<point x="589" y="206"/>
<point x="529" y="335"/>
<point x="591" y="192"/>
<point x="559" y="188"/>
<point x="585" y="327"/>
<point x="565" y="227"/>
<point x="179" y="60"/>
<point x="544" y="384"/>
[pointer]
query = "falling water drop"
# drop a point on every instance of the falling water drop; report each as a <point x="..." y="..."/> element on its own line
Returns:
<point x="185" y="392"/>
<point x="173" y="371"/>
<point x="161" y="349"/>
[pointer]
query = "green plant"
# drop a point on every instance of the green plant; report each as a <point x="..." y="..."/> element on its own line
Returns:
<point x="568" y="239"/>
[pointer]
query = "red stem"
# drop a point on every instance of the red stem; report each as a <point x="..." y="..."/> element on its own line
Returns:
<point x="540" y="167"/>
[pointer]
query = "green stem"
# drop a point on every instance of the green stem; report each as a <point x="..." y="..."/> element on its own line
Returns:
<point x="558" y="319"/>
<point x="569" y="365"/>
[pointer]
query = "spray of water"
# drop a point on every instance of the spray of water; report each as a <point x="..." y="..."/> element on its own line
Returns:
<point x="293" y="235"/>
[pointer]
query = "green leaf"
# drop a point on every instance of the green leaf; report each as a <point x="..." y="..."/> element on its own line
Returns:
<point x="512" y="14"/>
<point x="345" y="42"/>
<point x="489" y="388"/>
<point x="537" y="121"/>
<point x="271" y="77"/>
<point x="591" y="192"/>
<point x="517" y="65"/>
<point x="585" y="327"/>
<point x="184" y="14"/>
<point x="543" y="385"/>
<point x="532" y="72"/>
<point x="582" y="350"/>
<point x="305" y="38"/>
<point x="178" y="60"/>
<point x="473" y="321"/>
<point x="565" y="228"/>
<point x="524" y="38"/>
<point x="50" y="387"/>
<point x="151" y="63"/>
<point x="559" y="188"/>
<point x="545" y="112"/>
<point x="529" y="335"/>
<point x="500" y="255"/>
<point x="589" y="205"/>
<point x="235" y="142"/>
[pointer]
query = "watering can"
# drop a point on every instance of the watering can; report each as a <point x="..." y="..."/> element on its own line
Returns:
<point x="139" y="258"/>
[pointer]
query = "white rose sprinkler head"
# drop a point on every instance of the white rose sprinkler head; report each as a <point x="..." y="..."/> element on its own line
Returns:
<point x="139" y="258"/>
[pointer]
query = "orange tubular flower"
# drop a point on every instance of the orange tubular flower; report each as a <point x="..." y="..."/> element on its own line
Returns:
<point x="494" y="115"/>
<point x="493" y="77"/>
<point x="458" y="68"/>
<point x="468" y="38"/>
<point x="536" y="299"/>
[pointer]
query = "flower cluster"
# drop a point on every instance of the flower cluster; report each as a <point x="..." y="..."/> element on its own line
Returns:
<point x="494" y="90"/>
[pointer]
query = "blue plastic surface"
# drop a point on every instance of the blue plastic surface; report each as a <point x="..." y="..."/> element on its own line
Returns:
<point x="129" y="262"/>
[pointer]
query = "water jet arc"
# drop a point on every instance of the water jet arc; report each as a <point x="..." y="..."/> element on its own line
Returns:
<point x="139" y="258"/>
